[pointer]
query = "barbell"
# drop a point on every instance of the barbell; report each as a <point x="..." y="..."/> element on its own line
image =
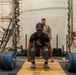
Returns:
<point x="23" y="60"/>
<point x="8" y="61"/>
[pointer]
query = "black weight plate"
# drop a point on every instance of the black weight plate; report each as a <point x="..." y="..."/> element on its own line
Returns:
<point x="1" y="60"/>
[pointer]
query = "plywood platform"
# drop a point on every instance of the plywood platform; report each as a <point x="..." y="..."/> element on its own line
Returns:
<point x="56" y="69"/>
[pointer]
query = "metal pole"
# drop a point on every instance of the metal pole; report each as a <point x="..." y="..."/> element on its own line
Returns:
<point x="71" y="15"/>
<point x="57" y="41"/>
<point x="13" y="23"/>
<point x="16" y="26"/>
<point x="25" y="41"/>
<point x="70" y="24"/>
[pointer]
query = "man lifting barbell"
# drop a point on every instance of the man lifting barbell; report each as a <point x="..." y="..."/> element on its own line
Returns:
<point x="39" y="40"/>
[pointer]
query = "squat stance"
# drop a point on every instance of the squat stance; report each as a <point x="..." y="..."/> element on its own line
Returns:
<point x="39" y="40"/>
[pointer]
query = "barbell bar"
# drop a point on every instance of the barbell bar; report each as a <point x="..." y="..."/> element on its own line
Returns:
<point x="23" y="60"/>
<point x="51" y="61"/>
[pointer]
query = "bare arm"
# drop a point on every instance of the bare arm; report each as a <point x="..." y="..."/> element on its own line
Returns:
<point x="50" y="49"/>
<point x="29" y="48"/>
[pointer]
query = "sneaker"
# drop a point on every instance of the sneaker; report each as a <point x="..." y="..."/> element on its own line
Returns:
<point x="46" y="67"/>
<point x="33" y="67"/>
<point x="40" y="57"/>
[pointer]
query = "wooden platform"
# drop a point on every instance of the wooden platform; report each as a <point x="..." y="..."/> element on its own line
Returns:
<point x="56" y="69"/>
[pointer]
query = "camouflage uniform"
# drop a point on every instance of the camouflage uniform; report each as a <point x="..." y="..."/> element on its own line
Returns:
<point x="47" y="30"/>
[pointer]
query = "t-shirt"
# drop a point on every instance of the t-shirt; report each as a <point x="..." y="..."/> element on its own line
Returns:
<point x="39" y="41"/>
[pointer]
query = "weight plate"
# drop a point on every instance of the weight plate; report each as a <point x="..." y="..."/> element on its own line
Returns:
<point x="69" y="64"/>
<point x="2" y="54"/>
<point x="9" y="64"/>
<point x="74" y="55"/>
